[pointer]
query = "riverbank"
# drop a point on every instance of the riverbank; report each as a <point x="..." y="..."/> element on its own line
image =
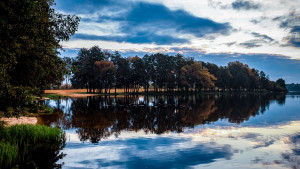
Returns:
<point x="11" y="121"/>
<point x="70" y="93"/>
<point x="82" y="92"/>
<point x="79" y="93"/>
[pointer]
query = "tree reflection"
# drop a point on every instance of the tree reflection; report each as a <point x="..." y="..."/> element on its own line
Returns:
<point x="96" y="118"/>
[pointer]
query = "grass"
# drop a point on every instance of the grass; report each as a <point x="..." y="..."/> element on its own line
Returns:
<point x="54" y="96"/>
<point x="8" y="154"/>
<point x="23" y="144"/>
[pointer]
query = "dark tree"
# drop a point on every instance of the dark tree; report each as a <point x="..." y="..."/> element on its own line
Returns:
<point x="137" y="73"/>
<point x="30" y="33"/>
<point x="280" y="85"/>
<point x="104" y="73"/>
<point x="85" y="75"/>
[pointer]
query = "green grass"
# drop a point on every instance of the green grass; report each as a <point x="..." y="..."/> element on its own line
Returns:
<point x="23" y="144"/>
<point x="8" y="154"/>
<point x="54" y="96"/>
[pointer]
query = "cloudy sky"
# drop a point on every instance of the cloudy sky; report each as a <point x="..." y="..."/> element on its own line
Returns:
<point x="265" y="34"/>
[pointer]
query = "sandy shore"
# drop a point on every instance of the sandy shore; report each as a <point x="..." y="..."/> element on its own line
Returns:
<point x="21" y="120"/>
<point x="71" y="92"/>
<point x="80" y="92"/>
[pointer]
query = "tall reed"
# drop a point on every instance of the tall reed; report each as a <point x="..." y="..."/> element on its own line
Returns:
<point x="23" y="144"/>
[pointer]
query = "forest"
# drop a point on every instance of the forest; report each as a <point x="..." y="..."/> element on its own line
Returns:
<point x="293" y="87"/>
<point x="101" y="71"/>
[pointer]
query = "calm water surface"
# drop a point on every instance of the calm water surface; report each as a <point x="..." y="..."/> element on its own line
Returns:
<point x="204" y="131"/>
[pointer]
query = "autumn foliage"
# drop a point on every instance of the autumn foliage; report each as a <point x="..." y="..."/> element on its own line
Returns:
<point x="99" y="71"/>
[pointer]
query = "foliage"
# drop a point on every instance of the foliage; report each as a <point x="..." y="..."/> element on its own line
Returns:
<point x="293" y="87"/>
<point x="105" y="72"/>
<point x="31" y="145"/>
<point x="84" y="69"/>
<point x="194" y="76"/>
<point x="30" y="33"/>
<point x="280" y="85"/>
<point x="97" y="69"/>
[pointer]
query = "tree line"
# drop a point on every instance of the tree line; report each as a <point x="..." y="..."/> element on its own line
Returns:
<point x="293" y="87"/>
<point x="102" y="71"/>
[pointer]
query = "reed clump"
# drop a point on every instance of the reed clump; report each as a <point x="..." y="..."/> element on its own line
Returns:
<point x="31" y="145"/>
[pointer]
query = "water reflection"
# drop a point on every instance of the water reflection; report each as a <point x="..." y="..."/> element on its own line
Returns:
<point x="211" y="131"/>
<point x="96" y="118"/>
<point x="292" y="157"/>
<point x="157" y="152"/>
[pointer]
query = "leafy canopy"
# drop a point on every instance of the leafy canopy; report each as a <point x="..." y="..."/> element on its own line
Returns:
<point x="30" y="33"/>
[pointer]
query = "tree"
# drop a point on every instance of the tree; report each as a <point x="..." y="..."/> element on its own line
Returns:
<point x="280" y="86"/>
<point x="240" y="75"/>
<point x="149" y="70"/>
<point x="30" y="33"/>
<point x="197" y="77"/>
<point x="137" y="72"/>
<point x="104" y="73"/>
<point x="122" y="74"/>
<point x="84" y="74"/>
<point x="293" y="87"/>
<point x="150" y="67"/>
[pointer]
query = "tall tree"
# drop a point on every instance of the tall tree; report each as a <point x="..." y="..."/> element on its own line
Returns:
<point x="30" y="33"/>
<point x="123" y="73"/>
<point x="280" y="86"/>
<point x="85" y="75"/>
<point x="196" y="77"/>
<point x="240" y="75"/>
<point x="104" y="73"/>
<point x="138" y="73"/>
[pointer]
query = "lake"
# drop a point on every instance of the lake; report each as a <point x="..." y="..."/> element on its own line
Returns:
<point x="196" y="131"/>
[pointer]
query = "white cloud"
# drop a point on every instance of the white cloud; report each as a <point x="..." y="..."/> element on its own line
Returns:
<point x="241" y="20"/>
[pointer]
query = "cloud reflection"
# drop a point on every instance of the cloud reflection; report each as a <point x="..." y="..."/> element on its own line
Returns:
<point x="157" y="152"/>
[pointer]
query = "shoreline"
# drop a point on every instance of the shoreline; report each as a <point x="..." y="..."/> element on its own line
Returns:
<point x="10" y="121"/>
<point x="79" y="93"/>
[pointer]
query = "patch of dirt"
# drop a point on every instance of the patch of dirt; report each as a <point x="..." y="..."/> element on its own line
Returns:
<point x="21" y="120"/>
<point x="71" y="92"/>
<point x="80" y="92"/>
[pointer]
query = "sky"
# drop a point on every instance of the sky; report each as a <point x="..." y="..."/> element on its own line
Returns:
<point x="265" y="34"/>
